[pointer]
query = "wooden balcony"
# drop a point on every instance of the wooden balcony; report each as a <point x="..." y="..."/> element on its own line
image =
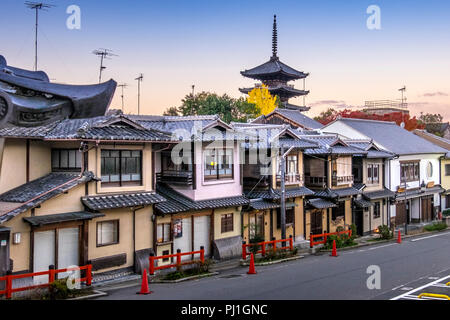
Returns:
<point x="290" y="179"/>
<point x="175" y="177"/>
<point x="316" y="181"/>
<point x="341" y="180"/>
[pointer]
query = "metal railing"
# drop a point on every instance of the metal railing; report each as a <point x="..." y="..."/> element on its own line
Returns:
<point x="316" y="181"/>
<point x="290" y="178"/>
<point x="341" y="180"/>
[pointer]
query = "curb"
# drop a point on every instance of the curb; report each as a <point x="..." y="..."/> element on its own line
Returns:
<point x="210" y="274"/>
<point x="96" y="294"/>
<point x="245" y="263"/>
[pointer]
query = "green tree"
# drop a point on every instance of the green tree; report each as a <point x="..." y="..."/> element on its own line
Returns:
<point x="172" y="111"/>
<point x="206" y="103"/>
<point x="430" y="118"/>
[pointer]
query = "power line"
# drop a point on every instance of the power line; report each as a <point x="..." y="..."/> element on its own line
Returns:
<point x="103" y="54"/>
<point x="37" y="6"/>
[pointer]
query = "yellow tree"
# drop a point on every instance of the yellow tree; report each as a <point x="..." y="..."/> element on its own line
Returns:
<point x="263" y="99"/>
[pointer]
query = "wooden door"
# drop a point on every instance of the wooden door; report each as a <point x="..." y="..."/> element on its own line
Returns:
<point x="316" y="221"/>
<point x="427" y="209"/>
<point x="400" y="213"/>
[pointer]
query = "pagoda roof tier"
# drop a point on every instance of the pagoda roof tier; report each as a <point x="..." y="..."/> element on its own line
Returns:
<point x="295" y="107"/>
<point x="283" y="91"/>
<point x="274" y="69"/>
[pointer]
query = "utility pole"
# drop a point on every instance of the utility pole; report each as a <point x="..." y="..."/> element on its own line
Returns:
<point x="139" y="80"/>
<point x="103" y="54"/>
<point x="122" y="86"/>
<point x="283" y="190"/>
<point x="37" y="6"/>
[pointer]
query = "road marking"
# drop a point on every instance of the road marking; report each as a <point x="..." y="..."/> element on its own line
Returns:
<point x="407" y="288"/>
<point x="433" y="278"/>
<point x="386" y="245"/>
<point x="436" y="235"/>
<point x="397" y="287"/>
<point x="420" y="288"/>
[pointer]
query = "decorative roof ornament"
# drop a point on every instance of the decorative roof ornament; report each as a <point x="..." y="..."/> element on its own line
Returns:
<point x="274" y="39"/>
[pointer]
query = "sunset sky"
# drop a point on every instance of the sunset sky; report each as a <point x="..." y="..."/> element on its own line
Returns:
<point x="176" y="44"/>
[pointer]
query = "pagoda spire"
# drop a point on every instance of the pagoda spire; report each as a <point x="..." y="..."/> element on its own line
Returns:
<point x="274" y="38"/>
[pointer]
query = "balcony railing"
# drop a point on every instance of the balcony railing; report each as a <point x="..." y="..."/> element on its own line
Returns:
<point x="341" y="180"/>
<point x="175" y="177"/>
<point x="316" y="181"/>
<point x="290" y="178"/>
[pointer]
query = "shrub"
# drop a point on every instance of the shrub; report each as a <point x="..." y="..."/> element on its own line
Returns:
<point x="256" y="239"/>
<point x="436" y="226"/>
<point x="385" y="232"/>
<point x="59" y="290"/>
<point x="342" y="240"/>
<point x="446" y="213"/>
<point x="354" y="232"/>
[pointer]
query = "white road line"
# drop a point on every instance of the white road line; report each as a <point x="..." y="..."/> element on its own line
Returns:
<point x="386" y="245"/>
<point x="422" y="287"/>
<point x="436" y="235"/>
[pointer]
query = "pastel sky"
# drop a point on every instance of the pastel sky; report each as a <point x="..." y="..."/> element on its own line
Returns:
<point x="176" y="44"/>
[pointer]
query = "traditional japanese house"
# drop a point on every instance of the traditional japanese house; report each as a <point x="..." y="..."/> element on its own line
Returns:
<point x="201" y="179"/>
<point x="261" y="219"/>
<point x="413" y="175"/>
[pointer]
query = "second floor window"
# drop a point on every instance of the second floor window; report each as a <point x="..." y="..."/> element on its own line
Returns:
<point x="376" y="210"/>
<point x="66" y="160"/>
<point x="409" y="171"/>
<point x="373" y="173"/>
<point x="121" y="167"/>
<point x="218" y="164"/>
<point x="447" y="169"/>
<point x="291" y="165"/>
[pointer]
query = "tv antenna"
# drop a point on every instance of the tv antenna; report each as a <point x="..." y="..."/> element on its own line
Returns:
<point x="37" y="6"/>
<point x="402" y="90"/>
<point x="139" y="80"/>
<point x="103" y="54"/>
<point x="122" y="86"/>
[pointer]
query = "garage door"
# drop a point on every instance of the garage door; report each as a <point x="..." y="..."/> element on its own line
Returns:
<point x="201" y="234"/>
<point x="43" y="253"/>
<point x="184" y="239"/>
<point x="67" y="249"/>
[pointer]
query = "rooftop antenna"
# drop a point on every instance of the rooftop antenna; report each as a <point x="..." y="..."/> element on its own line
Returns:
<point x="122" y="86"/>
<point x="37" y="6"/>
<point x="139" y="80"/>
<point x="103" y="54"/>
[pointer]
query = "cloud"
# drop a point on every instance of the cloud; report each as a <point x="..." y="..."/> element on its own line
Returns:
<point x="435" y="94"/>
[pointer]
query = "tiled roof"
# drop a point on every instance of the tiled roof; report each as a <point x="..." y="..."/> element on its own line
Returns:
<point x="297" y="117"/>
<point x="418" y="193"/>
<point x="362" y="203"/>
<point x="112" y="127"/>
<point x="276" y="194"/>
<point x="320" y="203"/>
<point x="32" y="194"/>
<point x="391" y="137"/>
<point x="61" y="217"/>
<point x="337" y="193"/>
<point x="176" y="202"/>
<point x="271" y="67"/>
<point x="385" y="193"/>
<point x="122" y="200"/>
<point x="263" y="204"/>
<point x="331" y="144"/>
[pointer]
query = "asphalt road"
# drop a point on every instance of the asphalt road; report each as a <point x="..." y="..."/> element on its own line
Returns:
<point x="413" y="263"/>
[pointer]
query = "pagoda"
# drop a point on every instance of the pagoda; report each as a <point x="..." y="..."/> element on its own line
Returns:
<point x="275" y="75"/>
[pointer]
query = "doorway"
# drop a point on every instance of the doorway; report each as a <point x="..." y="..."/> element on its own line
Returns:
<point x="316" y="221"/>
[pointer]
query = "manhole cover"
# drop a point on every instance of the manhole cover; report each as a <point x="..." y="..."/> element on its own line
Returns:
<point x="230" y="276"/>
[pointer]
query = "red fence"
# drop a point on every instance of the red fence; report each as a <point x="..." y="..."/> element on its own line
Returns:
<point x="9" y="290"/>
<point x="312" y="243"/>
<point x="263" y="244"/>
<point x="178" y="262"/>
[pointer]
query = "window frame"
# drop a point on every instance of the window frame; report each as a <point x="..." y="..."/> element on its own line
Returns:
<point x="121" y="161"/>
<point x="170" y="232"/>
<point x="117" y="225"/>
<point x="68" y="168"/>
<point x="447" y="170"/>
<point x="409" y="171"/>
<point x="216" y="154"/>
<point x="335" y="211"/>
<point x="290" y="217"/>
<point x="371" y="169"/>
<point x="226" y="220"/>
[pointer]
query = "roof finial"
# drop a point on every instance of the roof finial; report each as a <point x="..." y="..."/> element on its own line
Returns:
<point x="274" y="37"/>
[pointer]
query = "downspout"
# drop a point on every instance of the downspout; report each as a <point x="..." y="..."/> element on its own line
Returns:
<point x="27" y="179"/>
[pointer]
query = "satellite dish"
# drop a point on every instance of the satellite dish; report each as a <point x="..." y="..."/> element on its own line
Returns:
<point x="402" y="125"/>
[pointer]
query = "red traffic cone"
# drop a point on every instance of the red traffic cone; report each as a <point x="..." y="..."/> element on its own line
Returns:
<point x="399" y="238"/>
<point x="334" y="252"/>
<point x="144" y="285"/>
<point x="251" y="269"/>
